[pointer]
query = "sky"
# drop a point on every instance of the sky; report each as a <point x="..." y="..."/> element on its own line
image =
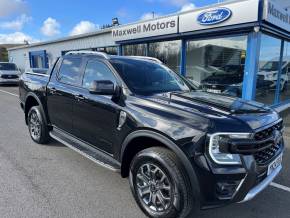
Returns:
<point x="40" y="20"/>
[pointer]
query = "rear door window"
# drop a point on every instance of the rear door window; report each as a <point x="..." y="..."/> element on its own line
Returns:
<point x="70" y="71"/>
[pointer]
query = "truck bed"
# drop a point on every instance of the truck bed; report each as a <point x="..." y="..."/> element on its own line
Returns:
<point x="33" y="83"/>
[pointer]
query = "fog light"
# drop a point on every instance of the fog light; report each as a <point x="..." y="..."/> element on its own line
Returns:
<point x="226" y="190"/>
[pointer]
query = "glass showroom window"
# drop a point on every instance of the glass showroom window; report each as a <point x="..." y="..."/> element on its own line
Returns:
<point x="285" y="75"/>
<point x="168" y="52"/>
<point x="217" y="65"/>
<point x="111" y="50"/>
<point x="137" y="50"/>
<point x="268" y="69"/>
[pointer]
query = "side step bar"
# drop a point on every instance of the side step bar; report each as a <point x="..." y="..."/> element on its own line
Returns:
<point x="87" y="151"/>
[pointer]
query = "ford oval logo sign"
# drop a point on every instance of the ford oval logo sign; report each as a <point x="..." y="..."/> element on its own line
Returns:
<point x="216" y="16"/>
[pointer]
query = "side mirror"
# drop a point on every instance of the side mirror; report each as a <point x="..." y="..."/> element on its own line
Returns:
<point x="102" y="87"/>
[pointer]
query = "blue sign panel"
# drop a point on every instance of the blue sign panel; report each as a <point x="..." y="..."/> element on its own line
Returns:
<point x="216" y="16"/>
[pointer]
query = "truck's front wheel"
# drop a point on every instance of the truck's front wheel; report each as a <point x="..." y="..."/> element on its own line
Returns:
<point x="159" y="184"/>
<point x="37" y="128"/>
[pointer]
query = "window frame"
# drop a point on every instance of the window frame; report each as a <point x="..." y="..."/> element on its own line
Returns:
<point x="278" y="92"/>
<point x="118" y="81"/>
<point x="78" y="84"/>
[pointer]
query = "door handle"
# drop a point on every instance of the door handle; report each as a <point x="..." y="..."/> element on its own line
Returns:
<point x="79" y="97"/>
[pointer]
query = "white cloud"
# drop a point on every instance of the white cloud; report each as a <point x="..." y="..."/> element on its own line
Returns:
<point x="187" y="7"/>
<point x="122" y="12"/>
<point x="15" y="38"/>
<point x="16" y="24"/>
<point x="149" y="15"/>
<point x="179" y="3"/>
<point x="84" y="27"/>
<point x="50" y="27"/>
<point x="8" y="7"/>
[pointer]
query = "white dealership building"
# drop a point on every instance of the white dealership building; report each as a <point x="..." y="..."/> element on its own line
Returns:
<point x="240" y="48"/>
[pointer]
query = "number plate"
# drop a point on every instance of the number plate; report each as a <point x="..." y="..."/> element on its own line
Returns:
<point x="214" y="91"/>
<point x="275" y="164"/>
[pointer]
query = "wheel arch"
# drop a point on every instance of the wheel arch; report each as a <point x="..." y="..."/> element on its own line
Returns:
<point x="167" y="143"/>
<point x="30" y="101"/>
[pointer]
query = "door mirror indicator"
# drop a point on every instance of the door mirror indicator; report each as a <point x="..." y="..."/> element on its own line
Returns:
<point x="102" y="87"/>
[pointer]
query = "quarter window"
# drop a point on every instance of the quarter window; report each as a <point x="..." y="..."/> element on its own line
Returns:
<point x="70" y="71"/>
<point x="96" y="70"/>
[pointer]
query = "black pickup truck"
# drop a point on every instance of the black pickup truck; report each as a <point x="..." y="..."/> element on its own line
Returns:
<point x="182" y="148"/>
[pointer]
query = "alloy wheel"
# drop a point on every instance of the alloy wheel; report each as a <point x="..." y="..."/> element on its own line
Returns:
<point x="154" y="187"/>
<point x="35" y="126"/>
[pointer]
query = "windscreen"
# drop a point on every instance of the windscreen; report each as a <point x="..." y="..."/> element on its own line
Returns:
<point x="7" y="66"/>
<point x="272" y="66"/>
<point x="148" y="78"/>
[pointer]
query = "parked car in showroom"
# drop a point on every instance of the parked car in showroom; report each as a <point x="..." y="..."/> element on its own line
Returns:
<point x="9" y="73"/>
<point x="269" y="72"/>
<point x="182" y="149"/>
<point x="228" y="76"/>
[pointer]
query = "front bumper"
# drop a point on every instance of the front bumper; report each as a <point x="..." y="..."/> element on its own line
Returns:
<point x="260" y="187"/>
<point x="9" y="81"/>
<point x="225" y="184"/>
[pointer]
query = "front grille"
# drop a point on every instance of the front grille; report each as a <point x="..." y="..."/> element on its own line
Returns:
<point x="261" y="176"/>
<point x="264" y="146"/>
<point x="271" y="147"/>
<point x="7" y="76"/>
<point x="266" y="133"/>
<point x="267" y="155"/>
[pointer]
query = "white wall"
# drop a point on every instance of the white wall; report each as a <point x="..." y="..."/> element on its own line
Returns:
<point x="21" y="56"/>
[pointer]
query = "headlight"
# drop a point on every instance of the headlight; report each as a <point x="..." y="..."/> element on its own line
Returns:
<point x="215" y="150"/>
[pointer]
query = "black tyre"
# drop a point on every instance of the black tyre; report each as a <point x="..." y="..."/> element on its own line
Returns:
<point x="160" y="185"/>
<point x="37" y="128"/>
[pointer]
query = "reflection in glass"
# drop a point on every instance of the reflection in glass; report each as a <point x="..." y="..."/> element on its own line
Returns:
<point x="148" y="78"/>
<point x="134" y="50"/>
<point x="217" y="65"/>
<point x="168" y="52"/>
<point x="285" y="75"/>
<point x="268" y="69"/>
<point x="111" y="50"/>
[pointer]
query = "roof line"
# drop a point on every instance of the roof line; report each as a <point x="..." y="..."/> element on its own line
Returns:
<point x="68" y="38"/>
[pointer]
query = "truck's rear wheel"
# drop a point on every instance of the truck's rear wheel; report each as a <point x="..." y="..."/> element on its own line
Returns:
<point x="159" y="184"/>
<point x="36" y="125"/>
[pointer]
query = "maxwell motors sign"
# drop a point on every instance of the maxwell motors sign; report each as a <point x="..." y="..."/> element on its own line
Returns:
<point x="216" y="16"/>
<point x="226" y="14"/>
<point x="162" y="26"/>
<point x="277" y="15"/>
